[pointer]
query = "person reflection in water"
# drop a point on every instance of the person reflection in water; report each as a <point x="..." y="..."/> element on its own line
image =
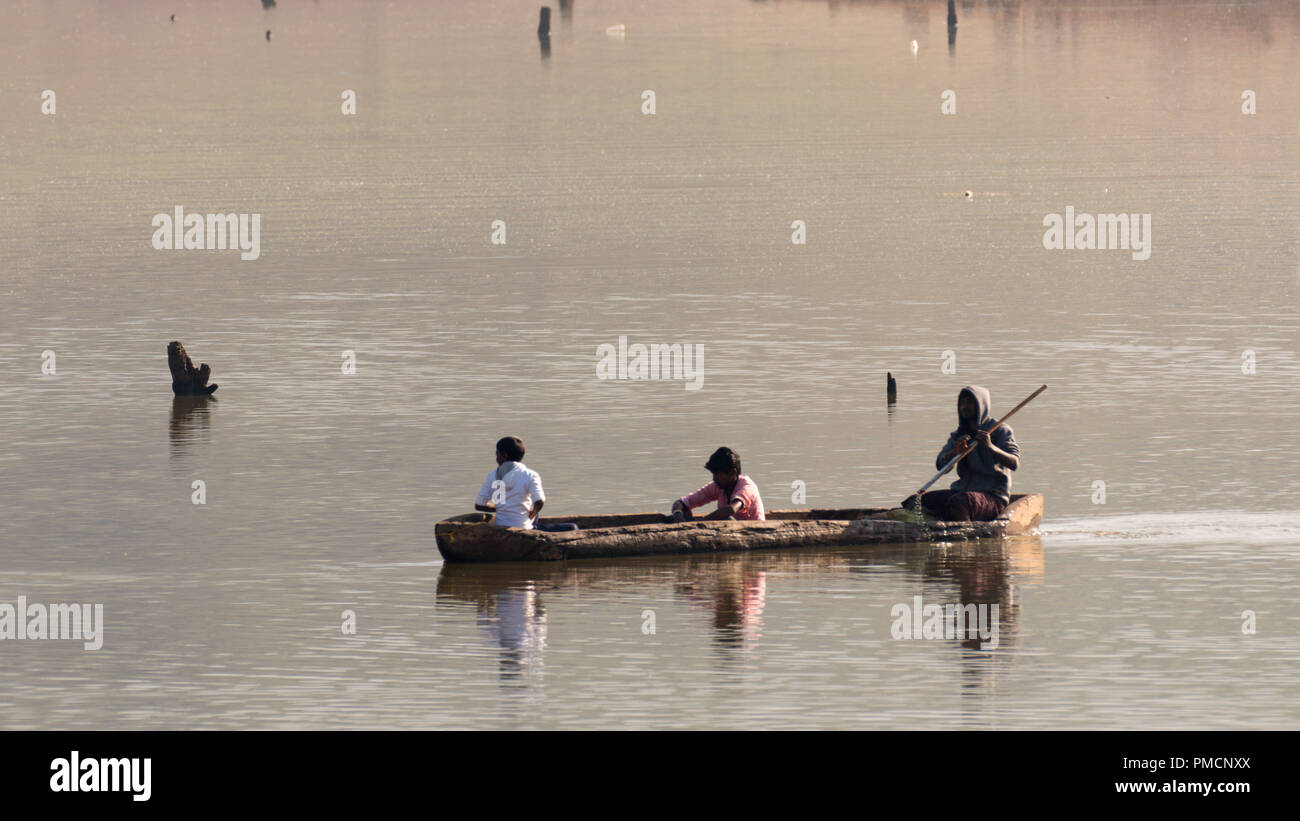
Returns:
<point x="738" y="607"/>
<point x="736" y="597"/>
<point x="516" y="621"/>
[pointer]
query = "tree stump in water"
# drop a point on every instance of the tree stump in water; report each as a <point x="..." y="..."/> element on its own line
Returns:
<point x="187" y="380"/>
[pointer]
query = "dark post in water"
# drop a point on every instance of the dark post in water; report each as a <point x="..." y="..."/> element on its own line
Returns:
<point x="891" y="388"/>
<point x="544" y="24"/>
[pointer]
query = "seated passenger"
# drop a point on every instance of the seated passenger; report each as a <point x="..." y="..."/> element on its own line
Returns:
<point x="513" y="491"/>
<point x="736" y="494"/>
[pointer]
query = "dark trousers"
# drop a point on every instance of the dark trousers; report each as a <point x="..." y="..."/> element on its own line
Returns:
<point x="555" y="527"/>
<point x="963" y="505"/>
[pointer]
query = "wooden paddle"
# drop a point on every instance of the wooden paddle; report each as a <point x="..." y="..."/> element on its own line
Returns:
<point x="914" y="501"/>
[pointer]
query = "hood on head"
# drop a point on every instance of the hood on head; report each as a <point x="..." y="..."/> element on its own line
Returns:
<point x="982" y="403"/>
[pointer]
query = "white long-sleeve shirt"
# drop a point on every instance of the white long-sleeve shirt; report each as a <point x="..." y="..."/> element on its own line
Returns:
<point x="521" y="486"/>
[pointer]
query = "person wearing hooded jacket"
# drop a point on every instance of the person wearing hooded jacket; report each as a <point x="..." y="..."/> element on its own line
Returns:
<point x="983" y="487"/>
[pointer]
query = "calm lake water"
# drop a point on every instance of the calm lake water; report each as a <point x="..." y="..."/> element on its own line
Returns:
<point x="322" y="488"/>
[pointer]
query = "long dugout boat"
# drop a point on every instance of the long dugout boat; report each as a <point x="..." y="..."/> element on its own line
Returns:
<point x="472" y="538"/>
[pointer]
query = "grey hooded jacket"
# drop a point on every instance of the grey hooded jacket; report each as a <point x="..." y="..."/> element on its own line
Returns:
<point x="978" y="472"/>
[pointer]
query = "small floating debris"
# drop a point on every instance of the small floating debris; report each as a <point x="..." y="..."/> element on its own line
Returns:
<point x="618" y="30"/>
<point x="914" y="48"/>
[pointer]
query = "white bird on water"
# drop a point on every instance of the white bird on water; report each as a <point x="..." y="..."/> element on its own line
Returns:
<point x="914" y="47"/>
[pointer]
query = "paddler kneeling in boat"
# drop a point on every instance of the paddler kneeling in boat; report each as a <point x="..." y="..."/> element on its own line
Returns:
<point x="736" y="494"/>
<point x="983" y="488"/>
<point x="513" y="491"/>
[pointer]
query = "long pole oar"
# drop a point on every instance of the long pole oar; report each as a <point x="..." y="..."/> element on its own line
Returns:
<point x="915" y="499"/>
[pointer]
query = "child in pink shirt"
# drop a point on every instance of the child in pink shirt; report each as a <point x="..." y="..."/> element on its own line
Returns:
<point x="736" y="494"/>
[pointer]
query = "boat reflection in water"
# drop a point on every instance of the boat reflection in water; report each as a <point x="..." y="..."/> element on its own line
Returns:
<point x="732" y="590"/>
<point x="963" y="573"/>
<point x="981" y="573"/>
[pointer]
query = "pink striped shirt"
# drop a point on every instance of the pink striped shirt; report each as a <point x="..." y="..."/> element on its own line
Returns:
<point x="745" y="490"/>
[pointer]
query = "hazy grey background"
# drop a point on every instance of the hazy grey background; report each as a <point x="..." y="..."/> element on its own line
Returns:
<point x="322" y="489"/>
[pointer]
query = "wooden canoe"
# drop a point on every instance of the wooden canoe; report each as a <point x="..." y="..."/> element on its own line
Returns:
<point x="470" y="537"/>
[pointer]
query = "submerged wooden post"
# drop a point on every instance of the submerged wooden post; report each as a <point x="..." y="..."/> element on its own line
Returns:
<point x="891" y="388"/>
<point x="544" y="23"/>
<point x="187" y="380"/>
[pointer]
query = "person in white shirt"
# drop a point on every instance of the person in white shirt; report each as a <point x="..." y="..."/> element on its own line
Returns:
<point x="513" y="491"/>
